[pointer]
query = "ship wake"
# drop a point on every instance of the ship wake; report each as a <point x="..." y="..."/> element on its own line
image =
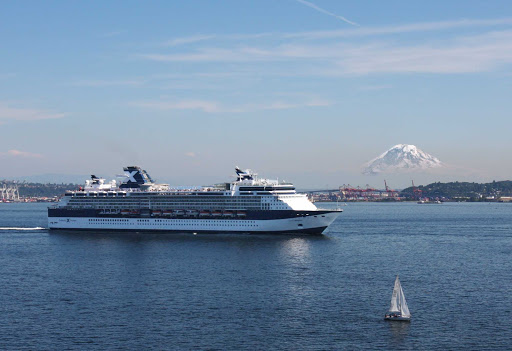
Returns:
<point x="20" y="228"/>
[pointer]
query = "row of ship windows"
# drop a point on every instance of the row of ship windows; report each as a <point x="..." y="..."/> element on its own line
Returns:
<point x="177" y="221"/>
<point x="231" y="207"/>
<point x="165" y="201"/>
<point x="180" y="205"/>
<point x="173" y="198"/>
<point x="201" y="221"/>
<point x="169" y="202"/>
<point x="181" y="197"/>
<point x="219" y="198"/>
<point x="109" y="220"/>
<point x="163" y="204"/>
<point x="112" y="209"/>
<point x="164" y="220"/>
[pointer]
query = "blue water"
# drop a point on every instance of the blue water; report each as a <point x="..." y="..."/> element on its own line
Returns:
<point x="85" y="291"/>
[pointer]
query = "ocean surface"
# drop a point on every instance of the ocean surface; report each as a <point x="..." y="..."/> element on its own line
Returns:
<point x="90" y="291"/>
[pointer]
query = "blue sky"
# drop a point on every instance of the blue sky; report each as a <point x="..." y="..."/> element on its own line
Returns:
<point x="304" y="90"/>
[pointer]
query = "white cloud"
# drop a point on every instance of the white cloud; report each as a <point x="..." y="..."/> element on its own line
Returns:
<point x="209" y="55"/>
<point x="205" y="106"/>
<point x="279" y="105"/>
<point x="464" y="54"/>
<point x="352" y="32"/>
<point x="188" y="40"/>
<point x="400" y="29"/>
<point x="106" y="83"/>
<point x="219" y="37"/>
<point x="215" y="107"/>
<point x="375" y="87"/>
<point x="190" y="154"/>
<point x="8" y="113"/>
<point x="20" y="154"/>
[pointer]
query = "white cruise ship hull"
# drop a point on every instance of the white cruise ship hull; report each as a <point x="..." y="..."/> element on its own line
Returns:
<point x="247" y="205"/>
<point x="311" y="224"/>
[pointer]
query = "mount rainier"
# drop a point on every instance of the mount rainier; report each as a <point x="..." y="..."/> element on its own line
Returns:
<point x="402" y="158"/>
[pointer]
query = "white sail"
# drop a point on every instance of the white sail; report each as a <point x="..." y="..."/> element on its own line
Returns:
<point x="395" y="298"/>
<point x="403" y="304"/>
<point x="398" y="303"/>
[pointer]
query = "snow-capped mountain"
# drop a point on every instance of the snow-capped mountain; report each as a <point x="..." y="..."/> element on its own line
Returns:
<point x="401" y="158"/>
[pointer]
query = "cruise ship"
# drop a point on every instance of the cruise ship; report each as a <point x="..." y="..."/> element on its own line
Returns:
<point x="248" y="204"/>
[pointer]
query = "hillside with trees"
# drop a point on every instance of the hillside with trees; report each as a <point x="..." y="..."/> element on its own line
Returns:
<point x="39" y="189"/>
<point x="461" y="190"/>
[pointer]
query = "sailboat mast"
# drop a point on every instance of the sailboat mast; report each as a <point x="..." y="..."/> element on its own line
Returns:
<point x="399" y="294"/>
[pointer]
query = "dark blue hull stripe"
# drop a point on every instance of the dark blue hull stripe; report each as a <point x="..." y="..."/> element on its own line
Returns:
<point x="310" y="231"/>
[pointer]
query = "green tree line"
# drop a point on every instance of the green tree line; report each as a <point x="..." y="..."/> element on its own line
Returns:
<point x="39" y="189"/>
<point x="461" y="190"/>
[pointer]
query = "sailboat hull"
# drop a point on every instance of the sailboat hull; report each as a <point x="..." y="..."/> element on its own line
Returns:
<point x="399" y="319"/>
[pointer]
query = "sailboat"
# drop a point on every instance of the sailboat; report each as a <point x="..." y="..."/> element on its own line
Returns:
<point x="398" y="311"/>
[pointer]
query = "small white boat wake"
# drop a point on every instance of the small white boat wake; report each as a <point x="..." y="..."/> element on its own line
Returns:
<point x="20" y="228"/>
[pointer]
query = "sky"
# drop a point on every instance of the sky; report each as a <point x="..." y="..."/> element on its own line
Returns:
<point x="307" y="91"/>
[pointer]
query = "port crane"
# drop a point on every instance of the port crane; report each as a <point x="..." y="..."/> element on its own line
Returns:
<point x="391" y="192"/>
<point x="9" y="193"/>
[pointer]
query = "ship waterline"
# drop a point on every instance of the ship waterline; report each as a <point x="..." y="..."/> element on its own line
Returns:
<point x="247" y="205"/>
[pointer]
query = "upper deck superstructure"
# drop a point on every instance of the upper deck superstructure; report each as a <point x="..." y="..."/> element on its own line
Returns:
<point x="227" y="207"/>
